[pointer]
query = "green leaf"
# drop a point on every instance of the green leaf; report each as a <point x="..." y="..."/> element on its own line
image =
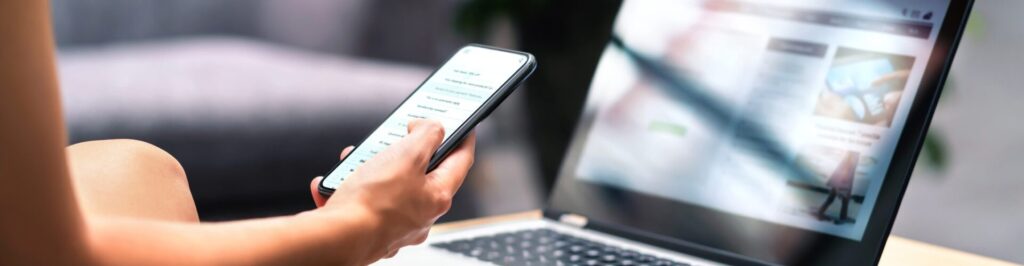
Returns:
<point x="976" y="26"/>
<point x="934" y="154"/>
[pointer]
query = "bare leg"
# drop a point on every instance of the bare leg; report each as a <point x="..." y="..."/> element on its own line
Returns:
<point x="824" y="205"/>
<point x="846" y="202"/>
<point x="128" y="178"/>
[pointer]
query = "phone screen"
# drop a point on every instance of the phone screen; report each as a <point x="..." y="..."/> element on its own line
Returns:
<point x="451" y="95"/>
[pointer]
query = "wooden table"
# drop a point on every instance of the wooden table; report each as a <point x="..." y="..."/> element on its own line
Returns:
<point x="898" y="250"/>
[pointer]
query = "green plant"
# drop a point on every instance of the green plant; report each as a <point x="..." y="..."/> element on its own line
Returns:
<point x="935" y="154"/>
<point x="474" y="17"/>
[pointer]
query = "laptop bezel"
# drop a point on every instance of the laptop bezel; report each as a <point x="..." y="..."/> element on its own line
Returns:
<point x="676" y="229"/>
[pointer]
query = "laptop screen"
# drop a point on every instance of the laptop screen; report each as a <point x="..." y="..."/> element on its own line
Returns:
<point x="828" y="81"/>
<point x="784" y="112"/>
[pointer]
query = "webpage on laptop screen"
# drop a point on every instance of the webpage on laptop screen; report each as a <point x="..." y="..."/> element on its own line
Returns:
<point x="830" y="81"/>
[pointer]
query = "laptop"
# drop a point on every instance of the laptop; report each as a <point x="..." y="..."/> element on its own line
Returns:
<point x="736" y="132"/>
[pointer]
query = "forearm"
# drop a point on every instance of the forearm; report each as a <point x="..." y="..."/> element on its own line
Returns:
<point x="311" y="238"/>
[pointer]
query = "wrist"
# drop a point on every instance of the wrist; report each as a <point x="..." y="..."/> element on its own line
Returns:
<point x="352" y="229"/>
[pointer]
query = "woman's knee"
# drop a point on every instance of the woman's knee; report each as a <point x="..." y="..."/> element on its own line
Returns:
<point x="130" y="154"/>
<point x="131" y="178"/>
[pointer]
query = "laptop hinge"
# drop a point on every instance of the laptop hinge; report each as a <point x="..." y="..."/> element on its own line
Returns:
<point x="574" y="220"/>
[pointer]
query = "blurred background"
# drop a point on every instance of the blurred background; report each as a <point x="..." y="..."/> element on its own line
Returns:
<point x="256" y="97"/>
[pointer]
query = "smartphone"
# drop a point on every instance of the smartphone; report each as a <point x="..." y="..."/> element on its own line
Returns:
<point x="459" y="94"/>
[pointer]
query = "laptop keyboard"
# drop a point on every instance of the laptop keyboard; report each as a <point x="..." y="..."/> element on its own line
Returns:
<point x="547" y="247"/>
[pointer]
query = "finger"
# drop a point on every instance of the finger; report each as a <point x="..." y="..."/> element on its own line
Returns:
<point x="318" y="199"/>
<point x="417" y="237"/>
<point x="346" y="151"/>
<point x="420" y="143"/>
<point x="391" y="254"/>
<point x="422" y="238"/>
<point x="451" y="172"/>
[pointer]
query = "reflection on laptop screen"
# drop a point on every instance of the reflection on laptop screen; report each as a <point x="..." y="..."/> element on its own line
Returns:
<point x="829" y="81"/>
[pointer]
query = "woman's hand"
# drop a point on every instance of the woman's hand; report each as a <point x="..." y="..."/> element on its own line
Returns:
<point x="395" y="191"/>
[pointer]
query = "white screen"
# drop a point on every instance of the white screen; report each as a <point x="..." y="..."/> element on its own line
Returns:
<point x="451" y="95"/>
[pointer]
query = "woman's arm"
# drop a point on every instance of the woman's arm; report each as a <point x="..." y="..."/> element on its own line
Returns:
<point x="310" y="238"/>
<point x="41" y="223"/>
<point x="386" y="204"/>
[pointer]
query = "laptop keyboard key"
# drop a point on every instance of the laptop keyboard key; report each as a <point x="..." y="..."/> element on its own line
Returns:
<point x="547" y="247"/>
